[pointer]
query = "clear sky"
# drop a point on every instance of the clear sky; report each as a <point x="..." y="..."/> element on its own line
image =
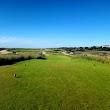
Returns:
<point x="54" y="23"/>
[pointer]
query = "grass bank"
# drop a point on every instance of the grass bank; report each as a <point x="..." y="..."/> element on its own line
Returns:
<point x="101" y="59"/>
<point x="8" y="59"/>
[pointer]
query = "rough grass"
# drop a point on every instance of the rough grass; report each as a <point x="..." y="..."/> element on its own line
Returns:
<point x="101" y="59"/>
<point x="8" y="59"/>
<point x="58" y="83"/>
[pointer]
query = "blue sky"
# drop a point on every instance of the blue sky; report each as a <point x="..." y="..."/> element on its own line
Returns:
<point x="54" y="23"/>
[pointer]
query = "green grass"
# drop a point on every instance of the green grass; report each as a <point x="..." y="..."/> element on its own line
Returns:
<point x="24" y="50"/>
<point x="58" y="83"/>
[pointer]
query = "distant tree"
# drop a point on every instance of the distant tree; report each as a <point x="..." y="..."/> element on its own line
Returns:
<point x="86" y="48"/>
<point x="14" y="52"/>
<point x="81" y="49"/>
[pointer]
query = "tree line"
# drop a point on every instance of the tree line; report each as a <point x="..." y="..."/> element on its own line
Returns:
<point x="93" y="48"/>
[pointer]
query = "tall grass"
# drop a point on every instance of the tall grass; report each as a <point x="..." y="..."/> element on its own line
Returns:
<point x="21" y="56"/>
<point x="94" y="58"/>
<point x="12" y="58"/>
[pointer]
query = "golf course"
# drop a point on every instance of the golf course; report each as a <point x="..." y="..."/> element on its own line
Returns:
<point x="57" y="83"/>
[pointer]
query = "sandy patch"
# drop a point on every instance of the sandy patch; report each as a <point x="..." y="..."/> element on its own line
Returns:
<point x="4" y="52"/>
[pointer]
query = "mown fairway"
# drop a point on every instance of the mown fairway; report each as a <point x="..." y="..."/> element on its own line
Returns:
<point x="58" y="83"/>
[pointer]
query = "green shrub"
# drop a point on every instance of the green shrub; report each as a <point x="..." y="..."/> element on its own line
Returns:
<point x="42" y="57"/>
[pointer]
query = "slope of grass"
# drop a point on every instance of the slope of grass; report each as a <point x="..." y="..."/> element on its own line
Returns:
<point x="58" y="83"/>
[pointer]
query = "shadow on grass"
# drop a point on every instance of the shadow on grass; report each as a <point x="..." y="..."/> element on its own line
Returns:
<point x="11" y="62"/>
<point x="18" y="77"/>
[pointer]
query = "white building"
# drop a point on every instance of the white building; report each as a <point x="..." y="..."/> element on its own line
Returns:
<point x="108" y="46"/>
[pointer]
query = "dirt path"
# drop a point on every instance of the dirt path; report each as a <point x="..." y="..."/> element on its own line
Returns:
<point x="64" y="53"/>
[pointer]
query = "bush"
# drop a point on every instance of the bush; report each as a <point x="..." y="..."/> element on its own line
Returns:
<point x="42" y="57"/>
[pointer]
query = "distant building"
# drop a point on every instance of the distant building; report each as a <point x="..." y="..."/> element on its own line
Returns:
<point x="71" y="53"/>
